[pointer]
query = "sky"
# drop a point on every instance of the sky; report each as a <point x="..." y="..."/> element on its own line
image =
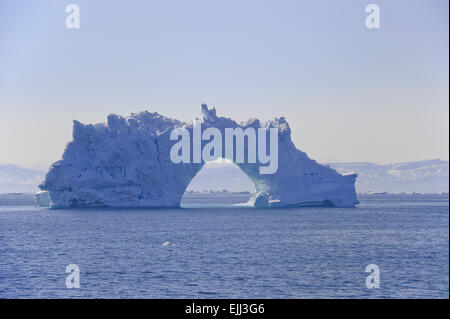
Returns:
<point x="348" y="92"/>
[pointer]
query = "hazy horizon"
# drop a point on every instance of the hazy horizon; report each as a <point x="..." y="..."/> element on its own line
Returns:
<point x="46" y="165"/>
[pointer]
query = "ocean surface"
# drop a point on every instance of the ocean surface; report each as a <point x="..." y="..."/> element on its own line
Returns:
<point x="210" y="250"/>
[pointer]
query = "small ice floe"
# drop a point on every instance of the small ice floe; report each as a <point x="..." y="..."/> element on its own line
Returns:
<point x="166" y="243"/>
<point x="42" y="199"/>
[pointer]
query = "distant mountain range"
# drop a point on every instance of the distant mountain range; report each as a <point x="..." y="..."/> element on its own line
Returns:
<point x="431" y="176"/>
<point x="15" y="179"/>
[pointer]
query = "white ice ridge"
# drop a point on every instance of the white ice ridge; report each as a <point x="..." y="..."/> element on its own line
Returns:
<point x="126" y="163"/>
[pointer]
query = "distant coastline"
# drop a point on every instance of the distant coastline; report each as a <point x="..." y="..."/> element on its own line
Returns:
<point x="28" y="199"/>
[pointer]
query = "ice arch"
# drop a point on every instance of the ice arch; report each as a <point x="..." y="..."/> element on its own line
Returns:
<point x="126" y="163"/>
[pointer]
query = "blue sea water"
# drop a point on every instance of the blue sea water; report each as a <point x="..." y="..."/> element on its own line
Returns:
<point x="220" y="252"/>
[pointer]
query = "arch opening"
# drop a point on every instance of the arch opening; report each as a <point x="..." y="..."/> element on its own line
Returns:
<point x="218" y="183"/>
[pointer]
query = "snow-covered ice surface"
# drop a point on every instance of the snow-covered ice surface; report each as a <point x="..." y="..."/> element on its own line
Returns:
<point x="125" y="162"/>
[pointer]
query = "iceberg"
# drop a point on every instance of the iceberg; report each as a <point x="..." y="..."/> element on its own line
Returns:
<point x="125" y="162"/>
